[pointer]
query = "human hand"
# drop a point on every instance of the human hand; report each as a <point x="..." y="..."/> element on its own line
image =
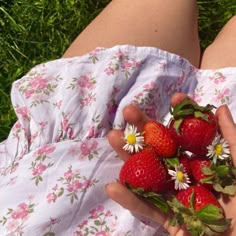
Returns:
<point x="132" y="202"/>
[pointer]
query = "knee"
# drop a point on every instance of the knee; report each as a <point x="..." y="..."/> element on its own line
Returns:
<point x="219" y="52"/>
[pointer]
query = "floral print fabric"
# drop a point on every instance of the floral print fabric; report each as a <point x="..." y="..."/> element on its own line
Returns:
<point x="56" y="161"/>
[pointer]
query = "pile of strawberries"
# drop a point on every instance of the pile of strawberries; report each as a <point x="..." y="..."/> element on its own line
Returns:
<point x="182" y="167"/>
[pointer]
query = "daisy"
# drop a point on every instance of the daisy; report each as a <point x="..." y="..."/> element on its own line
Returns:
<point x="181" y="178"/>
<point x="219" y="149"/>
<point x="133" y="139"/>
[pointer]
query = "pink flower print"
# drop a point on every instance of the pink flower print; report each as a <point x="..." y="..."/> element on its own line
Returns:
<point x="126" y="65"/>
<point x="68" y="174"/>
<point x="94" y="145"/>
<point x="84" y="148"/>
<point x="21" y="211"/>
<point x="38" y="83"/>
<point x="108" y="214"/>
<point x="84" y="223"/>
<point x="222" y="96"/>
<point x="53" y="221"/>
<point x="12" y="226"/>
<point x="218" y="78"/>
<point x="71" y="134"/>
<point x="74" y="186"/>
<point x="65" y="124"/>
<point x="112" y="107"/>
<point x="96" y="211"/>
<point x="109" y="71"/>
<point x="87" y="183"/>
<point x="45" y="150"/>
<point x="119" y="54"/>
<point x="43" y="124"/>
<point x="39" y="169"/>
<point x="23" y="111"/>
<point x="92" y="132"/>
<point x="55" y="187"/>
<point x="17" y="125"/>
<point x="29" y="93"/>
<point x="102" y="233"/>
<point x="88" y="149"/>
<point x="74" y="150"/>
<point x="51" y="197"/>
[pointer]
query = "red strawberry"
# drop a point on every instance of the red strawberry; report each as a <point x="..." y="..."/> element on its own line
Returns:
<point x="198" y="209"/>
<point x="158" y="137"/>
<point x="197" y="164"/>
<point x="194" y="127"/>
<point x="202" y="197"/>
<point x="144" y="170"/>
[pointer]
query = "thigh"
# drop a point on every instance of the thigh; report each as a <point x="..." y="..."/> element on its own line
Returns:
<point x="222" y="52"/>
<point x="169" y="25"/>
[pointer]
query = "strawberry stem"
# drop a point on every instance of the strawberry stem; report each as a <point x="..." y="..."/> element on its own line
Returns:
<point x="188" y="107"/>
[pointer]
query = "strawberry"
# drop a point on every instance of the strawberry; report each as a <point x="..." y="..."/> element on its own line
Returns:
<point x="197" y="165"/>
<point x="144" y="174"/>
<point x="201" y="198"/>
<point x="194" y="127"/>
<point x="199" y="211"/>
<point x="220" y="176"/>
<point x="144" y="170"/>
<point x="159" y="138"/>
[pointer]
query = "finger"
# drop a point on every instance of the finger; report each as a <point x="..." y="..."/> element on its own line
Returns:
<point x="136" y="205"/>
<point x="133" y="203"/>
<point x="116" y="140"/>
<point x="177" y="98"/>
<point x="132" y="115"/>
<point x="227" y="128"/>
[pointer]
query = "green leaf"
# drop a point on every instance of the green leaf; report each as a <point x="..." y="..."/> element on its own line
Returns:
<point x="207" y="170"/>
<point x="156" y="199"/>
<point x="172" y="161"/>
<point x="222" y="170"/>
<point x="209" y="213"/>
<point x="177" y="124"/>
<point x="219" y="226"/>
<point x="229" y="190"/>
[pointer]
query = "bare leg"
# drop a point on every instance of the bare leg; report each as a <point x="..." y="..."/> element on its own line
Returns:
<point x="222" y="52"/>
<point x="169" y="25"/>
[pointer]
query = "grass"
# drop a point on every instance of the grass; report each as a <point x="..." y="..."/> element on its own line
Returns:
<point x="35" y="31"/>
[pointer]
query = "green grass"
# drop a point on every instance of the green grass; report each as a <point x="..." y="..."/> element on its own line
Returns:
<point x="35" y="31"/>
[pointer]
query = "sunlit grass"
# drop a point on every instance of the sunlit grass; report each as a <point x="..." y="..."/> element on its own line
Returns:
<point x="35" y="31"/>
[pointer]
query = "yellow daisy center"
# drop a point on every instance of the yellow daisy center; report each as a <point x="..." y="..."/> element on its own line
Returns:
<point x="180" y="176"/>
<point x="131" y="139"/>
<point x="218" y="149"/>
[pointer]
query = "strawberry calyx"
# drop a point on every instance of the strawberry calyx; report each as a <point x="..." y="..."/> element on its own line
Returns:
<point x="156" y="199"/>
<point x="189" y="107"/>
<point x="222" y="177"/>
<point x="208" y="220"/>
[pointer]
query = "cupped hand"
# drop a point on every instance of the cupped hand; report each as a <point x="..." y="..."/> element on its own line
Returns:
<point x="135" y="204"/>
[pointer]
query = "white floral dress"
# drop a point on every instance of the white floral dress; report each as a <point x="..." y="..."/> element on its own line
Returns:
<point x="56" y="161"/>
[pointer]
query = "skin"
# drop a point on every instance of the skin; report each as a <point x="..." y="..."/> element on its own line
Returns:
<point x="172" y="26"/>
<point x="130" y="201"/>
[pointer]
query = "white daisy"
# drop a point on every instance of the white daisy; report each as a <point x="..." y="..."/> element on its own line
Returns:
<point x="134" y="140"/>
<point x="219" y="149"/>
<point x="181" y="178"/>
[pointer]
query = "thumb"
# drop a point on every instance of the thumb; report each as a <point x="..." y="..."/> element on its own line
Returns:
<point x="227" y="128"/>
